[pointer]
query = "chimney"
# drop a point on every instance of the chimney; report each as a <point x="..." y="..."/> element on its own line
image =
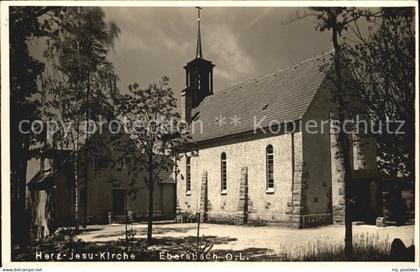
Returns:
<point x="186" y="105"/>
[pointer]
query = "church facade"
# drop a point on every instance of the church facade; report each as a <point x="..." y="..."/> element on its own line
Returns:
<point x="259" y="158"/>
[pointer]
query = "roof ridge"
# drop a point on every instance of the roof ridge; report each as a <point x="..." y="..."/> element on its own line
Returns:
<point x="273" y="73"/>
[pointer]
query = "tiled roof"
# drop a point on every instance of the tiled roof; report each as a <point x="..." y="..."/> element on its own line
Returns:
<point x="283" y="96"/>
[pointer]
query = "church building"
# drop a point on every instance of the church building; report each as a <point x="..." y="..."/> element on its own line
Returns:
<point x="256" y="161"/>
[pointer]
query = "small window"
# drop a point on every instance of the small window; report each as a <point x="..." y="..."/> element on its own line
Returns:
<point x="270" y="167"/>
<point x="223" y="172"/>
<point x="188" y="175"/>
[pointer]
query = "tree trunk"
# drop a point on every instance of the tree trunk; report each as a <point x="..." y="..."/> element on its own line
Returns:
<point x="85" y="199"/>
<point x="151" y="187"/>
<point x="19" y="220"/>
<point x="76" y="192"/>
<point x="86" y="158"/>
<point x="344" y="145"/>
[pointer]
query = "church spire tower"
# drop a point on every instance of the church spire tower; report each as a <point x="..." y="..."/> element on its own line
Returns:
<point x="198" y="72"/>
<point x="199" y="51"/>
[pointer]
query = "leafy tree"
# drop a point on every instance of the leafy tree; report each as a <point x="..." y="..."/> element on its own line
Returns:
<point x="336" y="20"/>
<point x="155" y="127"/>
<point x="365" y="74"/>
<point x="25" y="70"/>
<point x="82" y="81"/>
<point x="382" y="82"/>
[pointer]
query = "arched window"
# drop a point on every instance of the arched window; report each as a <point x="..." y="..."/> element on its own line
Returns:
<point x="269" y="167"/>
<point x="223" y="172"/>
<point x="188" y="175"/>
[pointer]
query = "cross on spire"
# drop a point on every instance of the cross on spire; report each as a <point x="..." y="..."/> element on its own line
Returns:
<point x="199" y="51"/>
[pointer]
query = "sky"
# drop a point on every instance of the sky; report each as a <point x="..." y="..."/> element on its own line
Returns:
<point x="243" y="42"/>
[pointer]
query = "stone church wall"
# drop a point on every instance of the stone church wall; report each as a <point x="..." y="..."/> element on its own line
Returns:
<point x="246" y="181"/>
<point x="317" y="179"/>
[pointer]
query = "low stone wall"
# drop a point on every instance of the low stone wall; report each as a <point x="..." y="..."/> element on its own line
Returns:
<point x="230" y="218"/>
<point x="236" y="218"/>
<point x="315" y="220"/>
<point x="287" y="222"/>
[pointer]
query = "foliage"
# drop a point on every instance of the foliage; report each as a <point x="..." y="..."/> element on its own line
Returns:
<point x="82" y="84"/>
<point x="131" y="233"/>
<point x="130" y="239"/>
<point x="156" y="131"/>
<point x="335" y="20"/>
<point x="33" y="83"/>
<point x="198" y="247"/>
<point x="382" y="82"/>
<point x="83" y="80"/>
<point x="365" y="75"/>
<point x="25" y="71"/>
<point x="379" y="64"/>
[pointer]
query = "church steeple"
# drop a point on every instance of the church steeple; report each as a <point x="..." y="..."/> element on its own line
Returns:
<point x="199" y="51"/>
<point x="199" y="73"/>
